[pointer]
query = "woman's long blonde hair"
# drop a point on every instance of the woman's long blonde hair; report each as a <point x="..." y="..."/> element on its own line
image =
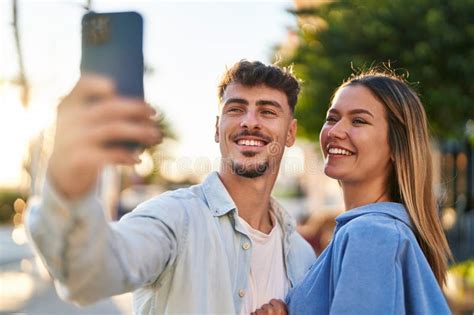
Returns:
<point x="411" y="181"/>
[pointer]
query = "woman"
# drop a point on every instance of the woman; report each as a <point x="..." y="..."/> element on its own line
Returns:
<point x="389" y="253"/>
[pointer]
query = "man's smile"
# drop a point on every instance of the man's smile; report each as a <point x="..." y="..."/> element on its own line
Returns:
<point x="251" y="140"/>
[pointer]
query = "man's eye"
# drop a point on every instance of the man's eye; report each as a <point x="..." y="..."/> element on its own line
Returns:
<point x="234" y="110"/>
<point x="268" y="112"/>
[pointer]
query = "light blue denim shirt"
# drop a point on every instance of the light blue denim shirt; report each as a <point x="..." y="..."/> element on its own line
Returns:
<point x="181" y="252"/>
<point x="373" y="266"/>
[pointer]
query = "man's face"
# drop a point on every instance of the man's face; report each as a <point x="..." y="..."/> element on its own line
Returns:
<point x="254" y="126"/>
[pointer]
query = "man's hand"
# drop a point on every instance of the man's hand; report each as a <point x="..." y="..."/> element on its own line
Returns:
<point x="274" y="307"/>
<point x="89" y="118"/>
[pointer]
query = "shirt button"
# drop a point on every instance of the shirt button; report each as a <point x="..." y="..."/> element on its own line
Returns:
<point x="246" y="245"/>
<point x="241" y="293"/>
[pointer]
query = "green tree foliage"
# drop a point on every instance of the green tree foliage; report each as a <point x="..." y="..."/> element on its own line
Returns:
<point x="431" y="42"/>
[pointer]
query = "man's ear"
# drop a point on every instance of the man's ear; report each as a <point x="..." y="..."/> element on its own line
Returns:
<point x="291" y="135"/>
<point x="216" y="135"/>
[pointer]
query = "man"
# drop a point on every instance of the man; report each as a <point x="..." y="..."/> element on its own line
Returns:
<point x="224" y="246"/>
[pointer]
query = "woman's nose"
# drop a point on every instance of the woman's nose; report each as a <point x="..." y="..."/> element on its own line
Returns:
<point x="338" y="130"/>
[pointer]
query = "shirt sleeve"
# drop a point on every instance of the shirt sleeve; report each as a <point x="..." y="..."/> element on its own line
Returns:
<point x="91" y="258"/>
<point x="366" y="276"/>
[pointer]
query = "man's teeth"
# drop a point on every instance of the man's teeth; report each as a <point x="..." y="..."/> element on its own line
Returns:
<point x="339" y="151"/>
<point x="255" y="143"/>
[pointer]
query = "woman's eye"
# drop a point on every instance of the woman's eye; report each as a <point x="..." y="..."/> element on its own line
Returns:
<point x="358" y="121"/>
<point x="331" y="119"/>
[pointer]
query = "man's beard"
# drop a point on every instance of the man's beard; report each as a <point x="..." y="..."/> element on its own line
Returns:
<point x="249" y="170"/>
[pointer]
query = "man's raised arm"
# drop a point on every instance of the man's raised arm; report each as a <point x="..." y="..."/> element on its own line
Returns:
<point x="83" y="252"/>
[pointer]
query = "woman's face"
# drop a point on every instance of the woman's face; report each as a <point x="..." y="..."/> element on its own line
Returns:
<point x="354" y="139"/>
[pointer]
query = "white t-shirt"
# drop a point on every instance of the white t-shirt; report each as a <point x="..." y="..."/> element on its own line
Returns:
<point x="267" y="279"/>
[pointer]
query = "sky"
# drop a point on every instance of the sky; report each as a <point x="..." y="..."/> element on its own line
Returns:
<point x="188" y="44"/>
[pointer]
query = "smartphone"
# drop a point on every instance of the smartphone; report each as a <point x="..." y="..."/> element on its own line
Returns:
<point x="112" y="45"/>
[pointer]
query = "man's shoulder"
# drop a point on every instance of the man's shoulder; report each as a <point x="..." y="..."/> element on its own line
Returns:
<point x="300" y="251"/>
<point x="171" y="203"/>
<point x="180" y="194"/>
<point x="297" y="243"/>
<point x="301" y="256"/>
<point x="300" y="244"/>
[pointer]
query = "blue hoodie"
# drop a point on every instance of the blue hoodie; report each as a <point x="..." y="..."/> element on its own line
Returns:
<point x="373" y="265"/>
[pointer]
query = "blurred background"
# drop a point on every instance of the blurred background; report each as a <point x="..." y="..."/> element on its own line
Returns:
<point x="187" y="46"/>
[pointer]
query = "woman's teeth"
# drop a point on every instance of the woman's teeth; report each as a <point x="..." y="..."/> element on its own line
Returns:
<point x="339" y="151"/>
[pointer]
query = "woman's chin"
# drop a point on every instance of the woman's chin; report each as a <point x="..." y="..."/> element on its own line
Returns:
<point x="332" y="173"/>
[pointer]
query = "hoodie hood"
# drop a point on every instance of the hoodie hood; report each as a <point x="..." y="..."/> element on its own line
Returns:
<point x="392" y="209"/>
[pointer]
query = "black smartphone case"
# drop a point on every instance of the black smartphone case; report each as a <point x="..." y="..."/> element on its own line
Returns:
<point x="112" y="45"/>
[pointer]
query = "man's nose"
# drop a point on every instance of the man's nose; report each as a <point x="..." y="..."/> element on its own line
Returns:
<point x="250" y="121"/>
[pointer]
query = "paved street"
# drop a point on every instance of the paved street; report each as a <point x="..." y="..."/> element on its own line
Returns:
<point x="27" y="289"/>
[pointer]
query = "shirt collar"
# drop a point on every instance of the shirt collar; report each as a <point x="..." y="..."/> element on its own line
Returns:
<point x="393" y="209"/>
<point x="220" y="202"/>
<point x="286" y="221"/>
<point x="216" y="195"/>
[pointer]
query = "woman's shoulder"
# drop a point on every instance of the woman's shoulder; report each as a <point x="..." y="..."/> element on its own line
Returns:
<point x="375" y="229"/>
<point x="374" y="242"/>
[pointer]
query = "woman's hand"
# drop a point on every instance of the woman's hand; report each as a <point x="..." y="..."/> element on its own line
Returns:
<point x="274" y="307"/>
